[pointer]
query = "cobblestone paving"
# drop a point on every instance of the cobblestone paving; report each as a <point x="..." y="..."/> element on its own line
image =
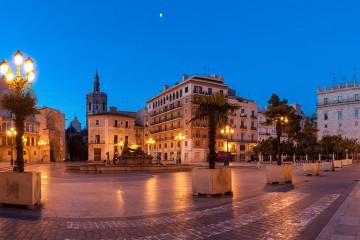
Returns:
<point x="279" y="212"/>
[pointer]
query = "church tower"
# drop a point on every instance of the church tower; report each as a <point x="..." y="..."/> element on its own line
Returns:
<point x="96" y="101"/>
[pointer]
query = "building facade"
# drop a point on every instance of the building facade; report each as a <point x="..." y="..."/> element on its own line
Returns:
<point x="170" y="111"/>
<point x="44" y="137"/>
<point x="108" y="131"/>
<point x="338" y="110"/>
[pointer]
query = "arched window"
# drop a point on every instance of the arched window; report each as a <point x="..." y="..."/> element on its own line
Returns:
<point x="89" y="106"/>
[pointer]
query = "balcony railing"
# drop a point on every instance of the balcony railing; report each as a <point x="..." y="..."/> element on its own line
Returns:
<point x="243" y="115"/>
<point x="264" y="133"/>
<point x="164" y="110"/>
<point x="243" y="126"/>
<point x="152" y="123"/>
<point x="253" y="128"/>
<point x="332" y="102"/>
<point x="253" y="116"/>
<point x="199" y="125"/>
<point x="164" y="130"/>
<point x="199" y="135"/>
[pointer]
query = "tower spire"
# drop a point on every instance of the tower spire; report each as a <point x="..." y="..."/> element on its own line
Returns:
<point x="96" y="82"/>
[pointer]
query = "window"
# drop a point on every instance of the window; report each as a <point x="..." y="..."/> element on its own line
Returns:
<point x="185" y="143"/>
<point x="339" y="99"/>
<point x="221" y="92"/>
<point x="185" y="111"/>
<point x="198" y="89"/>
<point x="325" y="100"/>
<point x="186" y="100"/>
<point x="186" y="89"/>
<point x="339" y="124"/>
<point x="115" y="138"/>
<point x="197" y="143"/>
<point x="340" y="115"/>
<point x="242" y="147"/>
<point x="97" y="138"/>
<point x="356" y="113"/>
<point x="356" y="124"/>
<point x="325" y="126"/>
<point x="160" y="146"/>
<point x="210" y="91"/>
<point x="115" y="123"/>
<point x="96" y="122"/>
<point x="115" y="149"/>
<point x="127" y="124"/>
<point x="357" y="98"/>
<point x="165" y="145"/>
<point x="90" y="106"/>
<point x="172" y="144"/>
<point x="34" y="152"/>
<point x="326" y="116"/>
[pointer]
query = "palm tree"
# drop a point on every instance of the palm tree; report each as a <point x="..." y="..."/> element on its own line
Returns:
<point x="278" y="113"/>
<point x="215" y="110"/>
<point x="22" y="105"/>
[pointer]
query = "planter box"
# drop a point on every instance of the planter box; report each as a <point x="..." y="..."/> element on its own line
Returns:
<point x="311" y="168"/>
<point x="327" y="166"/>
<point x="211" y="181"/>
<point x="344" y="162"/>
<point x="350" y="161"/>
<point x="20" y="188"/>
<point x="280" y="174"/>
<point x="337" y="163"/>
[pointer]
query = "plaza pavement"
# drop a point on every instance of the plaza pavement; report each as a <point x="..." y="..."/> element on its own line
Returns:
<point x="161" y="206"/>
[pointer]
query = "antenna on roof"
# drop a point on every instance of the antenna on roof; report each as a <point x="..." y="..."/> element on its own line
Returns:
<point x="354" y="77"/>
<point x="204" y="71"/>
<point x="208" y="71"/>
<point x="334" y="79"/>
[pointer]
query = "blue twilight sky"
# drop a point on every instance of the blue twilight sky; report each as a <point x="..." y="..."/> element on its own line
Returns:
<point x="285" y="47"/>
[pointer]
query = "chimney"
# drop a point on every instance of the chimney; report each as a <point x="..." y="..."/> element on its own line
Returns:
<point x="113" y="109"/>
<point x="184" y="77"/>
<point x="166" y="87"/>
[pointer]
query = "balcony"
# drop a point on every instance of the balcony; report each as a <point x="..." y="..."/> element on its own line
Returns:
<point x="253" y="128"/>
<point x="336" y="102"/>
<point x="153" y="123"/>
<point x="243" y="126"/>
<point x="199" y="135"/>
<point x="253" y="116"/>
<point x="164" y="130"/>
<point x="264" y="133"/>
<point x="199" y="125"/>
<point x="243" y="115"/>
<point x="164" y="110"/>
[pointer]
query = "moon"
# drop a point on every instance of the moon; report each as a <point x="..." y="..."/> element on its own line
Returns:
<point x="161" y="15"/>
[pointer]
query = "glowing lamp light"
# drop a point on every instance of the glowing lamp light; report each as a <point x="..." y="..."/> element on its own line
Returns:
<point x="4" y="67"/>
<point x="29" y="65"/>
<point x="18" y="58"/>
<point x="31" y="76"/>
<point x="9" y="75"/>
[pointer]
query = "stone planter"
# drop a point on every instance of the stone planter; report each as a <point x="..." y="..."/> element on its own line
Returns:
<point x="327" y="166"/>
<point x="344" y="162"/>
<point x="280" y="174"/>
<point x="211" y="181"/>
<point x="337" y="163"/>
<point x="311" y="168"/>
<point x="20" y="188"/>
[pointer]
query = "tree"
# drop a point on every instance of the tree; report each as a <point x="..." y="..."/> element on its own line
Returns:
<point x="280" y="114"/>
<point x="22" y="105"/>
<point x="215" y="110"/>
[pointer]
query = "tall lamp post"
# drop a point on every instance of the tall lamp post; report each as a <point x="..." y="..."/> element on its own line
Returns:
<point x="19" y="84"/>
<point x="280" y="121"/>
<point x="179" y="138"/>
<point x="150" y="142"/>
<point x="228" y="132"/>
<point x="11" y="133"/>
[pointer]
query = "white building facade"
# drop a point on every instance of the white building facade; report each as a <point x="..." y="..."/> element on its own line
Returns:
<point x="338" y="110"/>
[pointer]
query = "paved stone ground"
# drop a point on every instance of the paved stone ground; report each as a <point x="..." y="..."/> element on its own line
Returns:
<point x="161" y="206"/>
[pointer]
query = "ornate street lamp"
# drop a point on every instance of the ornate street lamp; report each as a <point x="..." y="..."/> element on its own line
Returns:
<point x="228" y="132"/>
<point x="179" y="138"/>
<point x="150" y="142"/>
<point x="18" y="83"/>
<point x="11" y="133"/>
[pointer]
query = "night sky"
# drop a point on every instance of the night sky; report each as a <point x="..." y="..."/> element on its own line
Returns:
<point x="260" y="47"/>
